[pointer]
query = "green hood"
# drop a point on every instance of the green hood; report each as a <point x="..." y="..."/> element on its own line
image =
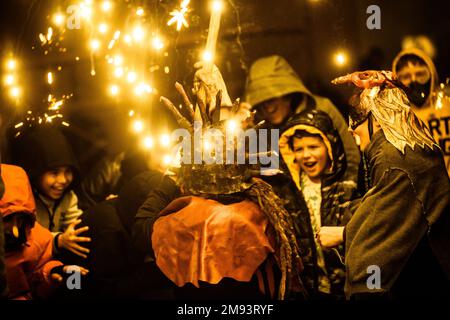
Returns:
<point x="272" y="77"/>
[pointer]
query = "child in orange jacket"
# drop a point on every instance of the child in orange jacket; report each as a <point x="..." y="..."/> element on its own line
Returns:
<point x="30" y="270"/>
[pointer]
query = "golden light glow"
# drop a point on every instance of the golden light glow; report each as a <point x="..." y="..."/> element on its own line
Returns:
<point x="15" y="92"/>
<point x="49" y="78"/>
<point x="106" y="6"/>
<point x="131" y="113"/>
<point x="138" y="33"/>
<point x="340" y="58"/>
<point x="138" y="126"/>
<point x="207" y="56"/>
<point x="103" y="28"/>
<point x="232" y="126"/>
<point x="114" y="90"/>
<point x="157" y="43"/>
<point x="42" y="38"/>
<point x="49" y="34"/>
<point x="85" y="11"/>
<point x="217" y="6"/>
<point x="116" y="35"/>
<point x="131" y="76"/>
<point x="164" y="140"/>
<point x="140" y="12"/>
<point x="95" y="45"/>
<point x="127" y="38"/>
<point x="118" y="72"/>
<point x="118" y="60"/>
<point x="9" y="79"/>
<point x="58" y="19"/>
<point x="167" y="160"/>
<point x="206" y="145"/>
<point x="148" y="142"/>
<point x="11" y="64"/>
<point x="143" y="88"/>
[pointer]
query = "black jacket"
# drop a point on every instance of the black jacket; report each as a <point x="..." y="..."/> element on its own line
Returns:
<point x="336" y="195"/>
<point x="117" y="269"/>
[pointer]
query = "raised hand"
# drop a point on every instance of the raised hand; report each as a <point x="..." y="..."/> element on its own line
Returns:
<point x="69" y="239"/>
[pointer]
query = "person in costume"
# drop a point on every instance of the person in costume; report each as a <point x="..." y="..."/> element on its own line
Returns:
<point x="401" y="227"/>
<point x="218" y="224"/>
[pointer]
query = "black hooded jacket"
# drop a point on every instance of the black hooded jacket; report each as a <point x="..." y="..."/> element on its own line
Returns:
<point x="336" y="195"/>
<point x="37" y="150"/>
<point x="42" y="148"/>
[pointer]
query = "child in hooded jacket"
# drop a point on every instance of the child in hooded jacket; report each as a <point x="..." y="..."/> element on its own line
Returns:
<point x="30" y="270"/>
<point x="48" y="159"/>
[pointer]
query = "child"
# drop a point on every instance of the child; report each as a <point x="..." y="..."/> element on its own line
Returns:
<point x="314" y="155"/>
<point x="48" y="159"/>
<point x="30" y="270"/>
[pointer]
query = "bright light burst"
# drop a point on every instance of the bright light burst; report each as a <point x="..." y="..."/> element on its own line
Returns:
<point x="178" y="16"/>
<point x="58" y="19"/>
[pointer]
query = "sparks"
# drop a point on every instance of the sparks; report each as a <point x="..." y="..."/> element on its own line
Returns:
<point x="49" y="77"/>
<point x="178" y="16"/>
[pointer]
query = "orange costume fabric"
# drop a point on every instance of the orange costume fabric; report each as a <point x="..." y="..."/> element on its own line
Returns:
<point x="27" y="270"/>
<point x="203" y="240"/>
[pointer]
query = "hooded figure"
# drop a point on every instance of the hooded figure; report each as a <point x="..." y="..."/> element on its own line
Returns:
<point x="324" y="272"/>
<point x="29" y="246"/>
<point x="40" y="150"/>
<point x="415" y="70"/>
<point x="271" y="78"/>
<point x="398" y="240"/>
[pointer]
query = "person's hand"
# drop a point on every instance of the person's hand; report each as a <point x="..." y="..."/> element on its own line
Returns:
<point x="58" y="277"/>
<point x="211" y="79"/>
<point x="330" y="237"/>
<point x="69" y="240"/>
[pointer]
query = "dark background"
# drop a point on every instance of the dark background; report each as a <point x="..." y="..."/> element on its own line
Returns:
<point x="306" y="32"/>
